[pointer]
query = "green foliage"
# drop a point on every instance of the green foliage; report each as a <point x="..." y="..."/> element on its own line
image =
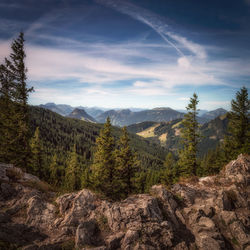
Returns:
<point x="72" y="180"/>
<point x="104" y="173"/>
<point x="190" y="137"/>
<point x="170" y="171"/>
<point x="126" y="165"/>
<point x="14" y="116"/>
<point x="211" y="163"/>
<point x="36" y="160"/>
<point x="56" y="172"/>
<point x="238" y="139"/>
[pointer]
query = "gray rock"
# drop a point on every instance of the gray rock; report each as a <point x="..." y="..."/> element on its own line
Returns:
<point x="86" y="234"/>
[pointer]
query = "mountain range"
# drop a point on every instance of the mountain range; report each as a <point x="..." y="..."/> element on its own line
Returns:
<point x="59" y="134"/>
<point x="126" y="117"/>
<point x="167" y="134"/>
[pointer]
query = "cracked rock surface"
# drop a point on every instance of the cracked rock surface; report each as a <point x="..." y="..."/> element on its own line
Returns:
<point x="210" y="213"/>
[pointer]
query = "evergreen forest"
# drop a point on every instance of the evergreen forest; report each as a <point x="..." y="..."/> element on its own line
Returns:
<point x="71" y="154"/>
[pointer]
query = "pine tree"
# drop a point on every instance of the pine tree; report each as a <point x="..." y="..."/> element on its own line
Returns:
<point x="37" y="155"/>
<point x="211" y="163"/>
<point x="238" y="139"/>
<point x="72" y="180"/>
<point x="13" y="76"/>
<point x="55" y="176"/>
<point x="190" y="137"/>
<point x="103" y="169"/>
<point x="8" y="131"/>
<point x="140" y="181"/>
<point x="126" y="164"/>
<point x="169" y="173"/>
<point x="85" y="179"/>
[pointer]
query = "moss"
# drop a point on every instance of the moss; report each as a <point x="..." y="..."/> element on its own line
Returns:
<point x="235" y="241"/>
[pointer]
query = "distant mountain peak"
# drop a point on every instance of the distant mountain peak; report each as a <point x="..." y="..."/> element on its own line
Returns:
<point x="79" y="113"/>
<point x="162" y="108"/>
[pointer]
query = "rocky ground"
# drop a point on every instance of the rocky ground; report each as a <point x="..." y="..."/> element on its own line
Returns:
<point x="208" y="213"/>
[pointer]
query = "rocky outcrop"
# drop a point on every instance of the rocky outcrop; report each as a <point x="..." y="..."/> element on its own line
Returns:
<point x="208" y="213"/>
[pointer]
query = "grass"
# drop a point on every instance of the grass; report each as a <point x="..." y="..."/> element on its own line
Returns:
<point x="163" y="137"/>
<point x="149" y="132"/>
<point x="177" y="124"/>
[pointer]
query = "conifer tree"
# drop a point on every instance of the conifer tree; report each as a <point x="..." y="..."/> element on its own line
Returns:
<point x="103" y="169"/>
<point x="238" y="139"/>
<point x="13" y="76"/>
<point x="8" y="131"/>
<point x="126" y="164"/>
<point x="140" y="181"/>
<point x="37" y="155"/>
<point x="211" y="162"/>
<point x="55" y="176"/>
<point x="190" y="137"/>
<point x="169" y="174"/>
<point x="86" y="179"/>
<point x="72" y="180"/>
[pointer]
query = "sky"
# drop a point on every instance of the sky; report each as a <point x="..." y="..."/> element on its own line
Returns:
<point x="125" y="53"/>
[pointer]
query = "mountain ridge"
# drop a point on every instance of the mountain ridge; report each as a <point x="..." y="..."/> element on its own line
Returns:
<point x="126" y="117"/>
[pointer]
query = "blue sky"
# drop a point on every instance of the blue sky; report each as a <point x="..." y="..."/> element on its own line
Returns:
<point x="119" y="53"/>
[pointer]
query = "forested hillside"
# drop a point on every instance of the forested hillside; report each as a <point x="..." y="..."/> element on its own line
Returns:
<point x="59" y="134"/>
<point x="167" y="134"/>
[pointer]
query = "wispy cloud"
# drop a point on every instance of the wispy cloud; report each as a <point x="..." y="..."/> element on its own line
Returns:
<point x="158" y="25"/>
<point x="64" y="69"/>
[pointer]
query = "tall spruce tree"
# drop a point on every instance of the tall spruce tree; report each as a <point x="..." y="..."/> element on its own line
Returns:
<point x="55" y="175"/>
<point x="37" y="155"/>
<point x="190" y="138"/>
<point x="13" y="77"/>
<point x="126" y="164"/>
<point x="104" y="174"/>
<point x="8" y="130"/>
<point x="72" y="180"/>
<point x="238" y="139"/>
<point x="169" y="173"/>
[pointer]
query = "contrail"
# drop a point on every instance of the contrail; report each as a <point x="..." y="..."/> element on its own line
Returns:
<point x="156" y="24"/>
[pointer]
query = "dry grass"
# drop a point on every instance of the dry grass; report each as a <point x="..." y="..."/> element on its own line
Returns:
<point x="177" y="124"/>
<point x="163" y="137"/>
<point x="149" y="132"/>
<point x="39" y="185"/>
<point x="189" y="180"/>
